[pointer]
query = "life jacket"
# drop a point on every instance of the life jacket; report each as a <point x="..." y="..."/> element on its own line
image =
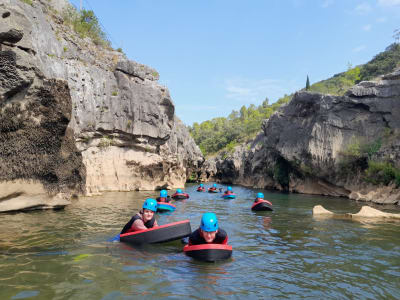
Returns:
<point x="138" y="216"/>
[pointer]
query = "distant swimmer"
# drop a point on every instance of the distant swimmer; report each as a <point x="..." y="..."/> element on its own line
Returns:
<point x="144" y="219"/>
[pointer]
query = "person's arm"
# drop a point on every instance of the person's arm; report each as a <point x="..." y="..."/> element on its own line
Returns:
<point x="138" y="225"/>
<point x="193" y="238"/>
<point x="222" y="237"/>
<point x="155" y="223"/>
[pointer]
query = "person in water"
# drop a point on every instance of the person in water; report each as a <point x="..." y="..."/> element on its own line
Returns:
<point x="229" y="190"/>
<point x="260" y="197"/>
<point x="208" y="232"/>
<point x="214" y="187"/>
<point x="163" y="196"/>
<point x="144" y="219"/>
<point x="201" y="187"/>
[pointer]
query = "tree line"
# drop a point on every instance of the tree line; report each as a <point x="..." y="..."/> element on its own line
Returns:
<point x="224" y="133"/>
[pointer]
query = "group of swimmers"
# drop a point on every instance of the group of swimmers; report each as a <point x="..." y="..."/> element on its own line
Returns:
<point x="208" y="231"/>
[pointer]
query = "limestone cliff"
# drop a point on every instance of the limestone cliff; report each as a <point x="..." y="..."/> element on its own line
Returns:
<point x="324" y="144"/>
<point x="82" y="118"/>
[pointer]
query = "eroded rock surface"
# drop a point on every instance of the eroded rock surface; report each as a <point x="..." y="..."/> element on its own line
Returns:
<point x="80" y="118"/>
<point x="321" y="144"/>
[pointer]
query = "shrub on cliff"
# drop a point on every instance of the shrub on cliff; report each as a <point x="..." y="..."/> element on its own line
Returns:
<point x="382" y="173"/>
<point x="383" y="63"/>
<point x="85" y="24"/>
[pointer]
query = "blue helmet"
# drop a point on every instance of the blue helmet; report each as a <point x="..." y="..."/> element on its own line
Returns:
<point x="209" y="222"/>
<point x="215" y="185"/>
<point x="201" y="185"/>
<point x="179" y="191"/>
<point x="229" y="188"/>
<point x="150" y="204"/>
<point x="163" y="194"/>
<point x="260" y="195"/>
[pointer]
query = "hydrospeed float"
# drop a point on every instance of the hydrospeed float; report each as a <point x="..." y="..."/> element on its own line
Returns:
<point x="179" y="196"/>
<point x="211" y="190"/>
<point x="229" y="196"/>
<point x="164" y="206"/>
<point x="159" y="234"/>
<point x="262" y="205"/>
<point x="208" y="252"/>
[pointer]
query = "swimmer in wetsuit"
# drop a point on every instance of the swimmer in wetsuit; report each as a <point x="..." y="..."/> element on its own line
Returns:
<point x="208" y="232"/>
<point x="144" y="219"/>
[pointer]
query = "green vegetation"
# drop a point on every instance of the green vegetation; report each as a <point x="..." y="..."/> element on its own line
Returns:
<point x="382" y="173"/>
<point x="222" y="134"/>
<point x="155" y="74"/>
<point x="114" y="93"/>
<point x="383" y="63"/>
<point x="360" y="155"/>
<point x="192" y="178"/>
<point x="30" y="2"/>
<point x="105" y="141"/>
<point x="240" y="126"/>
<point x="129" y="124"/>
<point x="358" y="148"/>
<point x="307" y="84"/>
<point x="86" y="24"/>
<point x="338" y="84"/>
<point x="120" y="50"/>
<point x="65" y="49"/>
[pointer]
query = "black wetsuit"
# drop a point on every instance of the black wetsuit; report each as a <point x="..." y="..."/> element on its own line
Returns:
<point x="196" y="239"/>
<point x="148" y="224"/>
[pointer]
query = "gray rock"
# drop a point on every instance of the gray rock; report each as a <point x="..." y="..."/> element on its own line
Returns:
<point x="80" y="107"/>
<point x="311" y="144"/>
<point x="12" y="36"/>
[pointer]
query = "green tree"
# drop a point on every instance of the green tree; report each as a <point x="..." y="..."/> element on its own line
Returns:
<point x="396" y="35"/>
<point x="307" y="84"/>
<point x="243" y="113"/>
<point x="265" y="103"/>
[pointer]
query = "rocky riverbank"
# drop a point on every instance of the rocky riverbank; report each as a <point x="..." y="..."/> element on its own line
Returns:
<point x="80" y="118"/>
<point x="322" y="144"/>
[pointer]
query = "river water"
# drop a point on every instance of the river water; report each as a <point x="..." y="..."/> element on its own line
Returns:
<point x="284" y="254"/>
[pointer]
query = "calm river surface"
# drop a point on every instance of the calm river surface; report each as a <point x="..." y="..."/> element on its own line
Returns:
<point x="282" y="254"/>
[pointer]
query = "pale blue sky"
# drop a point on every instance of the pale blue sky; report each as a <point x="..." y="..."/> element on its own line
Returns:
<point x="217" y="55"/>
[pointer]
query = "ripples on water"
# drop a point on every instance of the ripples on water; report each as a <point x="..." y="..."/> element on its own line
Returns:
<point x="281" y="254"/>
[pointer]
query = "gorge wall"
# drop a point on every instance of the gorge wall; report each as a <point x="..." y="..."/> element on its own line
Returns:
<point x="76" y="117"/>
<point x="324" y="144"/>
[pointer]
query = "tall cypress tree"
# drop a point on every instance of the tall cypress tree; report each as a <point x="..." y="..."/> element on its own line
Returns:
<point x="307" y="84"/>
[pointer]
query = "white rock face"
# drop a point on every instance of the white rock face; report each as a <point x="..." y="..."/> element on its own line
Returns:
<point x="120" y="169"/>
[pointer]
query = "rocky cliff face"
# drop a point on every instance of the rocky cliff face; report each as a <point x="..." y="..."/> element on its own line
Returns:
<point x="323" y="144"/>
<point x="78" y="117"/>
